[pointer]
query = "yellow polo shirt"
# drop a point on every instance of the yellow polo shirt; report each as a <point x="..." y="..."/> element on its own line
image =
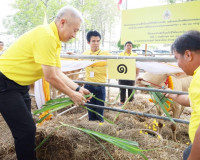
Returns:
<point x="97" y="73"/>
<point x="126" y="54"/>
<point x="22" y="61"/>
<point x="194" y="96"/>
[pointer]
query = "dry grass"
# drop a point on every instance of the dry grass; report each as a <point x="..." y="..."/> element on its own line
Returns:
<point x="70" y="144"/>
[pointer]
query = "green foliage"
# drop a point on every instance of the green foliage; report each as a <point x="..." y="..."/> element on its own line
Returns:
<point x="102" y="14"/>
<point x="120" y="46"/>
<point x="84" y="6"/>
<point x="24" y="20"/>
<point x="56" y="104"/>
<point x="114" y="102"/>
<point x="160" y="99"/>
<point x="48" y="137"/>
<point x="98" y="15"/>
<point x="30" y="13"/>
<point x="124" y="105"/>
<point x="60" y="103"/>
<point x="107" y="120"/>
<point x="171" y="1"/>
<point x="127" y="145"/>
<point x="53" y="7"/>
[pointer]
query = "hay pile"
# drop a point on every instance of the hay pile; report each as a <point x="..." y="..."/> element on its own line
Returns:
<point x="70" y="144"/>
<point x="7" y="150"/>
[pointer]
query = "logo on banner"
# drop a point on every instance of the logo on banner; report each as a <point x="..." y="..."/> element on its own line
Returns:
<point x="122" y="68"/>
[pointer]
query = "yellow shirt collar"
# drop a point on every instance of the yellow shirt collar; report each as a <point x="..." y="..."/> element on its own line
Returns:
<point x="95" y="53"/>
<point x="197" y="70"/>
<point x="55" y="30"/>
<point x="128" y="53"/>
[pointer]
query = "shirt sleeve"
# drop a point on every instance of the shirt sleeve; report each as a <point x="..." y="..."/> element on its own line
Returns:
<point x="45" y="51"/>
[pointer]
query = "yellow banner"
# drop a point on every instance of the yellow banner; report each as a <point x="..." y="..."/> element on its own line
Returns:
<point x="161" y="24"/>
<point x="122" y="69"/>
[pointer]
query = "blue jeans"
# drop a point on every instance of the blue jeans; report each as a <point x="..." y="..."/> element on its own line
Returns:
<point x="186" y="152"/>
<point x="99" y="92"/>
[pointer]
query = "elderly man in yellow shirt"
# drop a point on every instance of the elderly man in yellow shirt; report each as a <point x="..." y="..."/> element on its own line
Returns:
<point x="95" y="74"/>
<point x="186" y="50"/>
<point x="34" y="55"/>
<point x="127" y="52"/>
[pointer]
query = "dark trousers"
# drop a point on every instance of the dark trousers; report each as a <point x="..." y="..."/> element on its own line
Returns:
<point x="186" y="152"/>
<point x="99" y="92"/>
<point x="15" y="107"/>
<point x="123" y="90"/>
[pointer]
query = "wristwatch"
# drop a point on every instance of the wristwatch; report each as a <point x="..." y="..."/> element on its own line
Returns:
<point x="78" y="88"/>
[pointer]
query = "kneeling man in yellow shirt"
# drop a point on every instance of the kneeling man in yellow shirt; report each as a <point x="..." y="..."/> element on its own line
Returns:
<point x="186" y="50"/>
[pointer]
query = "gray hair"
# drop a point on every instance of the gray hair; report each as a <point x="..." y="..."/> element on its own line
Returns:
<point x="69" y="11"/>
